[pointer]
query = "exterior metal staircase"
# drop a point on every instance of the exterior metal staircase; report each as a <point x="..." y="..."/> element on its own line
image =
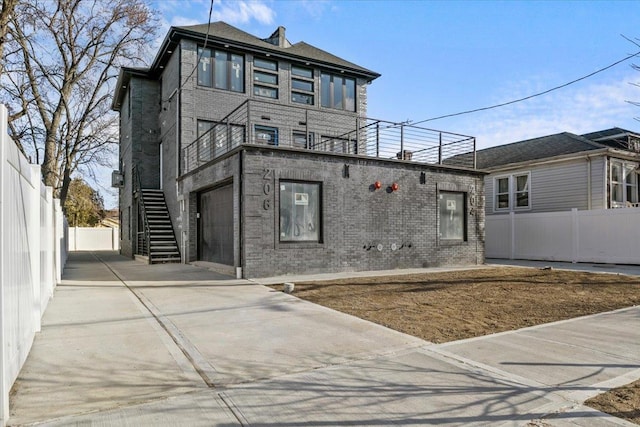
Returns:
<point x="158" y="240"/>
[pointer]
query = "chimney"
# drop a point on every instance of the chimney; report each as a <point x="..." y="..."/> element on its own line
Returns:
<point x="278" y="38"/>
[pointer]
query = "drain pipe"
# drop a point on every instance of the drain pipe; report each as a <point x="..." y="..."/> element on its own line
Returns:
<point x="240" y="214"/>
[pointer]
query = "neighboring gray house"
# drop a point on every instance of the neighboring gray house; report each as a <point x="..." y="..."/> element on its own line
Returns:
<point x="560" y="172"/>
<point x="257" y="155"/>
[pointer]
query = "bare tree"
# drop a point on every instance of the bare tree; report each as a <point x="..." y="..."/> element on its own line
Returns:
<point x="63" y="60"/>
<point x="5" y="14"/>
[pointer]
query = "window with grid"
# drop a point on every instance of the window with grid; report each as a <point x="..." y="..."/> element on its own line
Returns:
<point x="265" y="78"/>
<point x="302" y="85"/>
<point x="624" y="184"/>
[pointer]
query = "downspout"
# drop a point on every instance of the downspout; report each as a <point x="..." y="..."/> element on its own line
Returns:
<point x="239" y="269"/>
<point x="605" y="186"/>
<point x="183" y="257"/>
<point x="588" y="183"/>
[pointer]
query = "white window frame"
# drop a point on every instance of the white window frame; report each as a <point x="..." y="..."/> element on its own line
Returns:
<point x="496" y="193"/>
<point x="512" y="192"/>
<point x="628" y="169"/>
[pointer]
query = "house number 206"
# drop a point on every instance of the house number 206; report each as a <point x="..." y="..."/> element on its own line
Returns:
<point x="267" y="188"/>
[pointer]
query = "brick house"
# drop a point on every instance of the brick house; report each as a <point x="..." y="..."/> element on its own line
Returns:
<point x="257" y="155"/>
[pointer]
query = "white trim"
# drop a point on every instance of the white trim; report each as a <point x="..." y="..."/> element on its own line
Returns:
<point x="512" y="184"/>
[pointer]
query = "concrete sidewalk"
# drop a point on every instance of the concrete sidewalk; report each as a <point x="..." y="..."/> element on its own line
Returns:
<point x="125" y="343"/>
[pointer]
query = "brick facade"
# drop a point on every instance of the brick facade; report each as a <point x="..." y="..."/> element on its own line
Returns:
<point x="362" y="228"/>
<point x="355" y="217"/>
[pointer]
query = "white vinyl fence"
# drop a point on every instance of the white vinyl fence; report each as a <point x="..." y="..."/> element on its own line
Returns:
<point x="94" y="239"/>
<point x="602" y="236"/>
<point x="33" y="251"/>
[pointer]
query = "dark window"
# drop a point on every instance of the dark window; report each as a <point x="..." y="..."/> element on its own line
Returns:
<point x="337" y="92"/>
<point x="302" y="90"/>
<point x="302" y="85"/>
<point x="265" y="64"/>
<point x="300" y="212"/>
<point x="302" y="98"/>
<point x="266" y="135"/>
<point x="453" y="216"/>
<point x="267" y="80"/>
<point x="221" y="69"/>
<point x="302" y="72"/>
<point x="300" y="139"/>
<point x="267" y="92"/>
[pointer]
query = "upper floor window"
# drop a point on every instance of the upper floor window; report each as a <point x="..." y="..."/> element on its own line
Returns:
<point x="624" y="184"/>
<point x="221" y="69"/>
<point x="302" y="85"/>
<point x="265" y="78"/>
<point x="337" y="92"/>
<point x="511" y="191"/>
<point x="266" y="135"/>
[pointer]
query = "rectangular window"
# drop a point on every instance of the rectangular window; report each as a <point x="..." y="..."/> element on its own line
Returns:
<point x="267" y="92"/>
<point x="302" y="91"/>
<point x="302" y="98"/>
<point x="453" y="216"/>
<point x="502" y="193"/>
<point x="522" y="191"/>
<point x="205" y="140"/>
<point x="268" y="78"/>
<point x="266" y="135"/>
<point x="512" y="192"/>
<point x="337" y="92"/>
<point x="221" y="69"/>
<point x="302" y="72"/>
<point x="205" y="72"/>
<point x="302" y="85"/>
<point x="624" y="184"/>
<point x="215" y="139"/>
<point x="300" y="139"/>
<point x="300" y="212"/>
<point x="265" y="64"/>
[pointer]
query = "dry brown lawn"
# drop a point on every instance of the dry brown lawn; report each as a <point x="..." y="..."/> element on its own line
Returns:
<point x="441" y="307"/>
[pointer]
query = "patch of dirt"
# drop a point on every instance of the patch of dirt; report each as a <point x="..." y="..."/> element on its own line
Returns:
<point x="448" y="306"/>
<point x="621" y="402"/>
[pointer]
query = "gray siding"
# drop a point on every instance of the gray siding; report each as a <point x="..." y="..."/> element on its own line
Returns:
<point x="558" y="186"/>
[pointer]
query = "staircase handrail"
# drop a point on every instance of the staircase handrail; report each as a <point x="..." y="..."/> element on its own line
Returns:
<point x="138" y="188"/>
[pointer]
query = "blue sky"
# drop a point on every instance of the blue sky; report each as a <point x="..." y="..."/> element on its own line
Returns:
<point x="444" y="57"/>
<point x="440" y="58"/>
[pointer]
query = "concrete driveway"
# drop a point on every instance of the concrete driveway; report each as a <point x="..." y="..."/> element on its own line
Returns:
<point x="125" y="343"/>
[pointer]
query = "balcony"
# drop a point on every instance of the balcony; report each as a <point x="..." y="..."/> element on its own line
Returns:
<point x="277" y="125"/>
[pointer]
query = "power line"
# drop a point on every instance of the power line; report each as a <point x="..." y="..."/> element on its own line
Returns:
<point x="198" y="59"/>
<point x="530" y="96"/>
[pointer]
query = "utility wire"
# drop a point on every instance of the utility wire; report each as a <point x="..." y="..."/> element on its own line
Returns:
<point x="530" y="96"/>
<point x="199" y="58"/>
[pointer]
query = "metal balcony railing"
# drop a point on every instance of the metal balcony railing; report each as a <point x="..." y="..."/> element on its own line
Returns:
<point x="267" y="123"/>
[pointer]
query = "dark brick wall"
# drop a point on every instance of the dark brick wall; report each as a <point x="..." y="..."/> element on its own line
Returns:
<point x="355" y="218"/>
<point x="139" y="138"/>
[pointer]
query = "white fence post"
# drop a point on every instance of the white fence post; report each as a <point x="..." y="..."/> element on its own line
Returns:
<point x="4" y="387"/>
<point x="512" y="237"/>
<point x="575" y="236"/>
